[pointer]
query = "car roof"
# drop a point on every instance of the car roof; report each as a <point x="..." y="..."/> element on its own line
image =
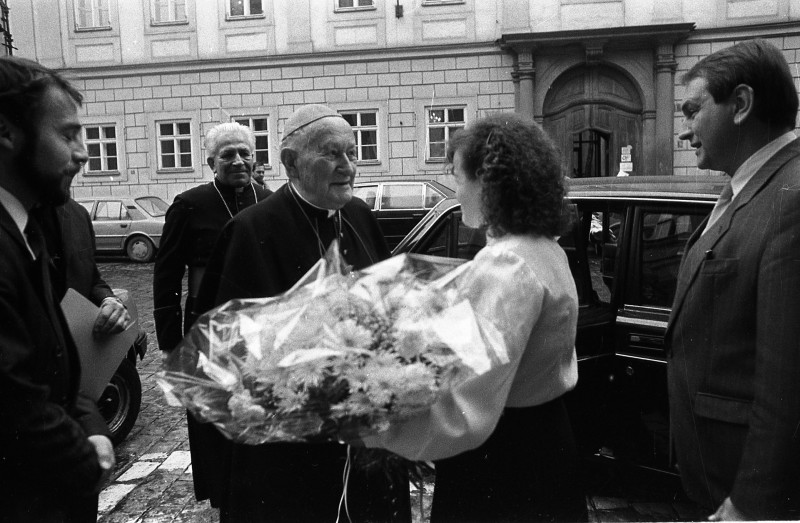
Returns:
<point x="443" y="188"/>
<point x="677" y="187"/>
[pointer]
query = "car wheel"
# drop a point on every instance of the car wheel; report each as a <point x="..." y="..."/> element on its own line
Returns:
<point x="121" y="401"/>
<point x="140" y="249"/>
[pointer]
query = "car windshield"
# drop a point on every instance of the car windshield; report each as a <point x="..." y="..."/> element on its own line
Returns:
<point x="153" y="205"/>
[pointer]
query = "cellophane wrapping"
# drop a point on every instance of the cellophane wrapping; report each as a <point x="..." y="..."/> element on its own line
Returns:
<point x="337" y="357"/>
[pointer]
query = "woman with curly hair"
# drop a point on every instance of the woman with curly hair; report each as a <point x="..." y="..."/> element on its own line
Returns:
<point x="503" y="445"/>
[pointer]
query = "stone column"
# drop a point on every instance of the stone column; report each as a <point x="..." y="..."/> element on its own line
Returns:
<point x="525" y="72"/>
<point x="665" y="109"/>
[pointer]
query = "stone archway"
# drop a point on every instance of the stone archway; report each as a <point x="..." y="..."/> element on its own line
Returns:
<point x="592" y="112"/>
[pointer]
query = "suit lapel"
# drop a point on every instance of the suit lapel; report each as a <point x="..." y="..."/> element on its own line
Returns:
<point x="700" y="246"/>
<point x="9" y="227"/>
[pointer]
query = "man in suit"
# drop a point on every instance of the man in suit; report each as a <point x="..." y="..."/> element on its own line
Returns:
<point x="74" y="261"/>
<point x="55" y="453"/>
<point x="734" y="333"/>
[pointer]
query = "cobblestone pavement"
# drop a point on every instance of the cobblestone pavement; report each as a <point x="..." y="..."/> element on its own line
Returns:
<point x="152" y="482"/>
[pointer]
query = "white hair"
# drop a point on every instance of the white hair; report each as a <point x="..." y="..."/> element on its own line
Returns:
<point x="218" y="132"/>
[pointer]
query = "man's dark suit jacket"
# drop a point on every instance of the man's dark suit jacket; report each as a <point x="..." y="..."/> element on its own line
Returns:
<point x="734" y="342"/>
<point x="48" y="468"/>
<point x="78" y="240"/>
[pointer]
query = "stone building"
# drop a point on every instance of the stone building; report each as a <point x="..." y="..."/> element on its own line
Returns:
<point x="601" y="75"/>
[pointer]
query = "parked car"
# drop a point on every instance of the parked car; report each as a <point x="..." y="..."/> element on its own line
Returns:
<point x="624" y="249"/>
<point x="127" y="225"/>
<point x="121" y="400"/>
<point x="399" y="206"/>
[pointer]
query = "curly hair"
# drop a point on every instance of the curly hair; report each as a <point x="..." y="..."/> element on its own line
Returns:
<point x="520" y="171"/>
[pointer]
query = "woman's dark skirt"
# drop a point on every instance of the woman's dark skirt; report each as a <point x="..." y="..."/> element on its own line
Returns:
<point x="526" y="471"/>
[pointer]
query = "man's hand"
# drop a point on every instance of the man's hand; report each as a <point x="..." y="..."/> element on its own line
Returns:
<point x="105" y="456"/>
<point x="727" y="512"/>
<point x="112" y="318"/>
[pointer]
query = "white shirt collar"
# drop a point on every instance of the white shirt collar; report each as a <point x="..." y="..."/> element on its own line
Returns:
<point x="17" y="212"/>
<point x="751" y="166"/>
<point x="330" y="212"/>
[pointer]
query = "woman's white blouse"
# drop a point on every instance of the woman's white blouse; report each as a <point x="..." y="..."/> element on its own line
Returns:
<point x="524" y="283"/>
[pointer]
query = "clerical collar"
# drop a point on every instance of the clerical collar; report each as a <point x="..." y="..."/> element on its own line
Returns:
<point x="300" y="195"/>
<point x="227" y="189"/>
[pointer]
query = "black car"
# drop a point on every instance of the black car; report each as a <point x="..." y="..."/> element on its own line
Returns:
<point x="624" y="248"/>
<point x="400" y="205"/>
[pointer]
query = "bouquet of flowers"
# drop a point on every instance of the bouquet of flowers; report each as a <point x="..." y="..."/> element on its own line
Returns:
<point x="337" y="357"/>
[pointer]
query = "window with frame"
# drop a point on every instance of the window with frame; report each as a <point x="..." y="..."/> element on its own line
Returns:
<point x="169" y="11"/>
<point x="237" y="8"/>
<point x="442" y="124"/>
<point x="663" y="238"/>
<point x="110" y="210"/>
<point x="354" y="4"/>
<point x="260" y="127"/>
<point x="174" y="144"/>
<point x="101" y="146"/>
<point x="91" y="14"/>
<point x="365" y="131"/>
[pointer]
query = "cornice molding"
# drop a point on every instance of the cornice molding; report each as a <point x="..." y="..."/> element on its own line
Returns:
<point x="284" y="60"/>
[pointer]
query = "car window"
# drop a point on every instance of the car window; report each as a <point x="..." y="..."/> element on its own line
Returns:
<point x="402" y="196"/>
<point x="368" y="193"/>
<point x="437" y="238"/>
<point x="662" y="238"/>
<point x="432" y="197"/>
<point x="110" y="210"/>
<point x="593" y="242"/>
<point x="153" y="205"/>
<point x="470" y="240"/>
<point x="135" y="213"/>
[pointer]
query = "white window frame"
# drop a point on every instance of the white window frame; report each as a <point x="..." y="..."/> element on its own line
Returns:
<point x="446" y="124"/>
<point x="249" y="119"/>
<point x="176" y="140"/>
<point x="171" y="7"/>
<point x="357" y="132"/>
<point x="95" y="10"/>
<point x="355" y="7"/>
<point x="103" y="142"/>
<point x="247" y="13"/>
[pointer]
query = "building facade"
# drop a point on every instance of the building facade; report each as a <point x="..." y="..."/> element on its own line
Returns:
<point x="602" y="76"/>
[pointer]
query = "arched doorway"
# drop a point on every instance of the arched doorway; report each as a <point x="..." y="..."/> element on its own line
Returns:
<point x="593" y="111"/>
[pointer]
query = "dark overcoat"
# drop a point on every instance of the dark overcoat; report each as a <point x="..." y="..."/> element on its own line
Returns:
<point x="262" y="252"/>
<point x="48" y="468"/>
<point x="191" y="226"/>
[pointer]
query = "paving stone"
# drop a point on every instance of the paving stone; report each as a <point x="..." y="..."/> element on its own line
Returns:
<point x="138" y="470"/>
<point x="112" y="495"/>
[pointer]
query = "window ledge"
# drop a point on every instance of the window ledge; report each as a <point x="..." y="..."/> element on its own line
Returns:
<point x="169" y="22"/>
<point x="93" y="29"/>
<point x="368" y="162"/>
<point x="174" y="170"/>
<point x="239" y="18"/>
<point x="96" y="174"/>
<point x="429" y="3"/>
<point x="354" y="9"/>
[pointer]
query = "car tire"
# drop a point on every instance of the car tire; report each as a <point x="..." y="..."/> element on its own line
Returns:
<point x="121" y="401"/>
<point x="140" y="249"/>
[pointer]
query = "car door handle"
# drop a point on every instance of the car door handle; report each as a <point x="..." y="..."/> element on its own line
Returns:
<point x="123" y="225"/>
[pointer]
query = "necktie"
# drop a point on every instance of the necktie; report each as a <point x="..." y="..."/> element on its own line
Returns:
<point x="33" y="232"/>
<point x="722" y="204"/>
